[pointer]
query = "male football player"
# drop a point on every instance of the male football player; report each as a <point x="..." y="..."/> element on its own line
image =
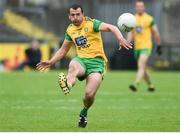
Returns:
<point x="142" y="35"/>
<point x="89" y="64"/>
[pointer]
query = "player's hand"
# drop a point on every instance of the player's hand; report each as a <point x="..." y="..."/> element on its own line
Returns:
<point x="159" y="50"/>
<point x="42" y="66"/>
<point x="125" y="44"/>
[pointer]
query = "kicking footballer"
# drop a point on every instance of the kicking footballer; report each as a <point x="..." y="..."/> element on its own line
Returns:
<point x="89" y="64"/>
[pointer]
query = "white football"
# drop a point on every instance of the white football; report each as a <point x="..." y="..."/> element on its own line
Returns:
<point x="126" y="22"/>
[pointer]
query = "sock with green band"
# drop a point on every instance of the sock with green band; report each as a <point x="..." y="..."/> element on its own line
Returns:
<point x="150" y="85"/>
<point x="148" y="82"/>
<point x="136" y="84"/>
<point x="84" y="111"/>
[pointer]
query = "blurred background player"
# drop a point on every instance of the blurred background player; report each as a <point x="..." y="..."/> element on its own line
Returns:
<point x="85" y="34"/>
<point x="142" y="35"/>
<point x="32" y="56"/>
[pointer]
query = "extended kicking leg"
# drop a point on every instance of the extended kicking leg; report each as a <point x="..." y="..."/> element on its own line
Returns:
<point x="75" y="70"/>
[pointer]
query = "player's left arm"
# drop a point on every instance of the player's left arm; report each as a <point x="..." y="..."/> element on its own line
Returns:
<point x="105" y="27"/>
<point x="157" y="37"/>
<point x="156" y="34"/>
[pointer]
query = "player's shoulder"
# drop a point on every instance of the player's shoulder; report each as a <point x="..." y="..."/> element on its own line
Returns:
<point x="88" y="19"/>
<point x="149" y="18"/>
<point x="70" y="27"/>
<point x="148" y="15"/>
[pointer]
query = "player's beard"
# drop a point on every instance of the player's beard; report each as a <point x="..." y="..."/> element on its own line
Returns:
<point x="76" y="22"/>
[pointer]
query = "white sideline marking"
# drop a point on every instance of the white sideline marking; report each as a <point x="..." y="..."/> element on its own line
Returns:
<point x="120" y="92"/>
<point x="143" y="107"/>
<point x="98" y="100"/>
<point x="137" y="99"/>
<point x="78" y="107"/>
<point x="129" y="93"/>
<point x="42" y="107"/>
<point x="40" y="101"/>
<point x="63" y="100"/>
<point x="25" y="104"/>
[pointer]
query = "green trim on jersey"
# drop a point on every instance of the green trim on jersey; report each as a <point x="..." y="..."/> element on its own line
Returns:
<point x="96" y="24"/>
<point x="88" y="19"/>
<point x="91" y="65"/>
<point x="67" y="37"/>
<point x="138" y="52"/>
<point x="152" y="23"/>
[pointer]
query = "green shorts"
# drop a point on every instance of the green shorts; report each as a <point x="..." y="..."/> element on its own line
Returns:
<point x="91" y="65"/>
<point x="138" y="52"/>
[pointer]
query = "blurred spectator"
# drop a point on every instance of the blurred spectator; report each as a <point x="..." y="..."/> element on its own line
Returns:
<point x="33" y="56"/>
<point x="6" y="65"/>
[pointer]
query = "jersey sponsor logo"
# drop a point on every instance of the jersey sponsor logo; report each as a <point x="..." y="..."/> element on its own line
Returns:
<point x="84" y="46"/>
<point x="80" y="41"/>
<point x="139" y="29"/>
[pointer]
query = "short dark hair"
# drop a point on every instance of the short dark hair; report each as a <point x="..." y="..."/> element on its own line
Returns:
<point x="139" y="1"/>
<point x="76" y="6"/>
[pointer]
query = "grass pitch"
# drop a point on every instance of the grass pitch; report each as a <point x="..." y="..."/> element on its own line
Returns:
<point x="33" y="101"/>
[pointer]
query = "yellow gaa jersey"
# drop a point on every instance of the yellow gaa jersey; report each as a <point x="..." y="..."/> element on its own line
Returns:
<point x="142" y="31"/>
<point x="87" y="38"/>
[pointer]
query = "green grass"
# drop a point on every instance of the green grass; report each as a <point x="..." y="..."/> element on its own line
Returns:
<point x="32" y="101"/>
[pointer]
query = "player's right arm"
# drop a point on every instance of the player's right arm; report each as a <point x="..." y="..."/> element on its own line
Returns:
<point x="57" y="56"/>
<point x="61" y="52"/>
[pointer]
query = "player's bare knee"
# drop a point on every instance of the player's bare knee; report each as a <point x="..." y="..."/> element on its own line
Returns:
<point x="141" y="66"/>
<point x="73" y="68"/>
<point x="97" y="77"/>
<point x="141" y="70"/>
<point x="72" y="65"/>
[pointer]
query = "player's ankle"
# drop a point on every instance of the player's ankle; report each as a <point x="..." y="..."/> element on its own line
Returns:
<point x="148" y="82"/>
<point x="69" y="85"/>
<point x="84" y="111"/>
<point x="136" y="83"/>
<point x="150" y="85"/>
